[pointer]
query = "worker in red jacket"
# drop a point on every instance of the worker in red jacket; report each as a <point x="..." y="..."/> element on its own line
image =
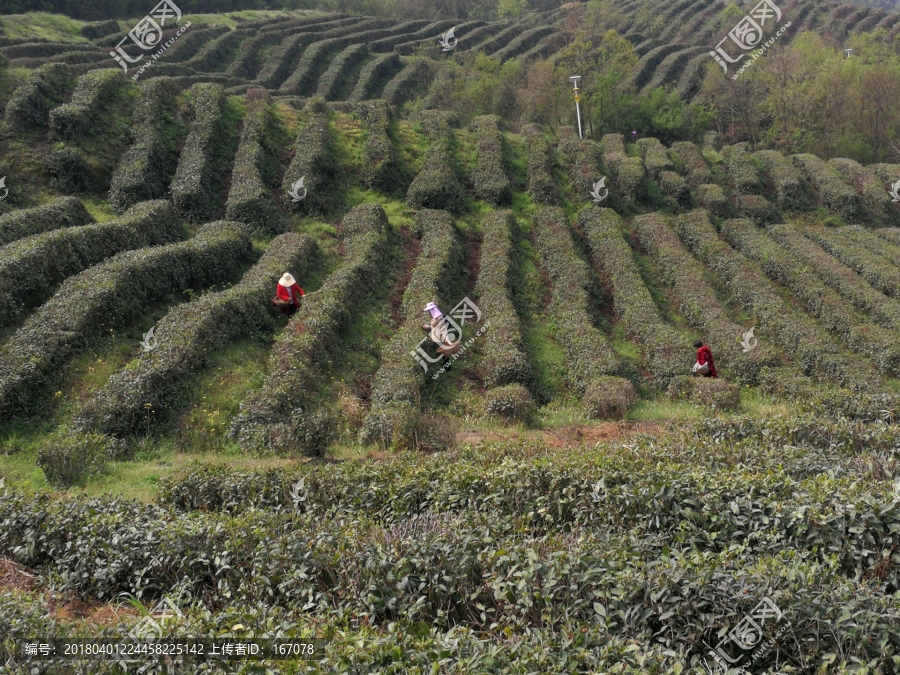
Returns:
<point x="290" y="292"/>
<point x="704" y="357"/>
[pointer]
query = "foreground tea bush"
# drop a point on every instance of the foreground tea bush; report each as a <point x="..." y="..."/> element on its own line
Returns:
<point x="54" y="215"/>
<point x="94" y="90"/>
<point x="42" y="90"/>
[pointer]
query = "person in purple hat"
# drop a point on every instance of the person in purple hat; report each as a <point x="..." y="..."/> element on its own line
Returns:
<point x="438" y="331"/>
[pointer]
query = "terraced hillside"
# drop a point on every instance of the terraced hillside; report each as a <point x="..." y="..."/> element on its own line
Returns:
<point x="537" y="527"/>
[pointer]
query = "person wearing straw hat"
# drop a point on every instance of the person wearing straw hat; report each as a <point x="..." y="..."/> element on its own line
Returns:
<point x="438" y="331"/>
<point x="288" y="292"/>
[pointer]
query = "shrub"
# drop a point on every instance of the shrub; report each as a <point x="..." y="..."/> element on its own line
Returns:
<point x="583" y="160"/>
<point x="608" y="398"/>
<point x="789" y="190"/>
<point x="832" y="311"/>
<point x="372" y="76"/>
<point x="56" y="214"/>
<point x="522" y="43"/>
<point x="381" y="167"/>
<point x="219" y="52"/>
<point x="68" y="460"/>
<point x="504" y="360"/>
<point x="145" y="169"/>
<point x="154" y="386"/>
<point x="277" y="66"/>
<point x="741" y="171"/>
<point x="547" y="46"/>
<point x="794" y="331"/>
<point x="666" y="353"/>
<point x="32" y="100"/>
<point x="245" y="59"/>
<point x="415" y="77"/>
<point x="287" y="415"/>
<point x="631" y="178"/>
<point x="589" y="355"/>
<point x="314" y="60"/>
<point x="333" y="80"/>
<point x="498" y="41"/>
<point x="688" y="156"/>
<point x="673" y="186"/>
<point x="106" y="297"/>
<point x="870" y="266"/>
<point x="715" y="393"/>
<point x="712" y="198"/>
<point x="93" y="92"/>
<point x="649" y="62"/>
<point x="69" y="171"/>
<point x="93" y="31"/>
<point x="612" y="148"/>
<point x="671" y="68"/>
<point x="655" y="157"/>
<point x="33" y="266"/>
<point x="698" y="302"/>
<point x="314" y="162"/>
<point x="396" y="386"/>
<point x="250" y="200"/>
<point x="199" y="165"/>
<point x="437" y="186"/>
<point x="511" y="403"/>
<point x="489" y="179"/>
<point x="419" y="30"/>
<point x="758" y="209"/>
<point x="869" y="187"/>
<point x="836" y="195"/>
<point x="191" y="42"/>
<point x="541" y="186"/>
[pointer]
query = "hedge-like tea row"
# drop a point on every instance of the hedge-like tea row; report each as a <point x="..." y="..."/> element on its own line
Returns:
<point x="489" y="180"/>
<point x="835" y="194"/>
<point x="287" y="415"/>
<point x="545" y="47"/>
<point x="250" y="200"/>
<point x="789" y="190"/>
<point x="418" y="30"/>
<point x="667" y="354"/>
<point x="758" y="209"/>
<point x="394" y="418"/>
<point x="333" y="80"/>
<point x="414" y="77"/>
<point x="674" y="186"/>
<point x="838" y="276"/>
<point x="191" y="42"/>
<point x="612" y="149"/>
<point x="589" y="356"/>
<point x="741" y="171"/>
<point x="373" y="75"/>
<point x="245" y="63"/>
<point x="432" y="33"/>
<point x="436" y="186"/>
<point x="217" y="54"/>
<point x="583" y="160"/>
<point x="504" y="360"/>
<point x="832" y="311"/>
<point x="698" y="302"/>
<point x="185" y="338"/>
<point x="694" y="166"/>
<point x="541" y="186"/>
<point x="278" y="65"/>
<point x="649" y="62"/>
<point x="670" y="69"/>
<point x="144" y="171"/>
<point x="59" y="213"/>
<point x="872" y="267"/>
<point x="199" y="163"/>
<point x="35" y="49"/>
<point x="500" y="40"/>
<point x="93" y="91"/>
<point x="31" y="102"/>
<point x="805" y="341"/>
<point x="870" y="188"/>
<point x="313" y="162"/>
<point x="380" y="162"/>
<point x="712" y="198"/>
<point x="31" y="267"/>
<point x="867" y="239"/>
<point x="93" y="31"/>
<point x="523" y="42"/>
<point x="631" y="174"/>
<point x="656" y="159"/>
<point x="106" y="297"/>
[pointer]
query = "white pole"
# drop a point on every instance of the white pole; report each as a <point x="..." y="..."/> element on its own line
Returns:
<point x="575" y="79"/>
<point x="578" y="114"/>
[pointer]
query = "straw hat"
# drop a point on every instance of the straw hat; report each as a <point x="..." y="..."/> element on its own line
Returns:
<point x="286" y="280"/>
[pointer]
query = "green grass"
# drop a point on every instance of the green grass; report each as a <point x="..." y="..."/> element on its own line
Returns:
<point x="53" y="27"/>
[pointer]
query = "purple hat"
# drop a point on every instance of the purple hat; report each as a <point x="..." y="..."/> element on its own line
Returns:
<point x="434" y="310"/>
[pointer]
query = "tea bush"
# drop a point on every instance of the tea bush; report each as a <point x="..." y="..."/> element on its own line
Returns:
<point x="523" y="42"/>
<point x="372" y="76"/>
<point x="249" y="199"/>
<point x="146" y="167"/>
<point x="489" y="180"/>
<point x="404" y="32"/>
<point x="608" y="398"/>
<point x="381" y="166"/>
<point x="789" y="188"/>
<point x="674" y="186"/>
<point x="612" y="149"/>
<point x="691" y="162"/>
<point x="245" y="59"/>
<point x="504" y="359"/>
<point x="35" y="265"/>
<point x="698" y="302"/>
<point x="872" y="267"/>
<point x="437" y="186"/>
<point x="397" y="384"/>
<point x="56" y="214"/>
<point x="415" y="76"/>
<point x="510" y="402"/>
<point x="106" y="297"/>
<point x="69" y="171"/>
<point x="656" y="160"/>
<point x="92" y="31"/>
<point x="42" y="90"/>
<point x="68" y="460"/>
<point x="199" y="165"/>
<point x="541" y="186"/>
<point x="314" y="162"/>
<point x="742" y="173"/>
<point x="758" y="209"/>
<point x="286" y="414"/>
<point x="665" y="352"/>
<point x="93" y="91"/>
<point x="154" y="385"/>
<point x="712" y="198"/>
<point x="834" y="193"/>
<point x="631" y="178"/>
<point x="333" y="80"/>
<point x="583" y="159"/>
<point x="216" y="54"/>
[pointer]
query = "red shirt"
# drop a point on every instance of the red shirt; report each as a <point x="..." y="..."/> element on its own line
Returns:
<point x="703" y="355"/>
<point x="285" y="294"/>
